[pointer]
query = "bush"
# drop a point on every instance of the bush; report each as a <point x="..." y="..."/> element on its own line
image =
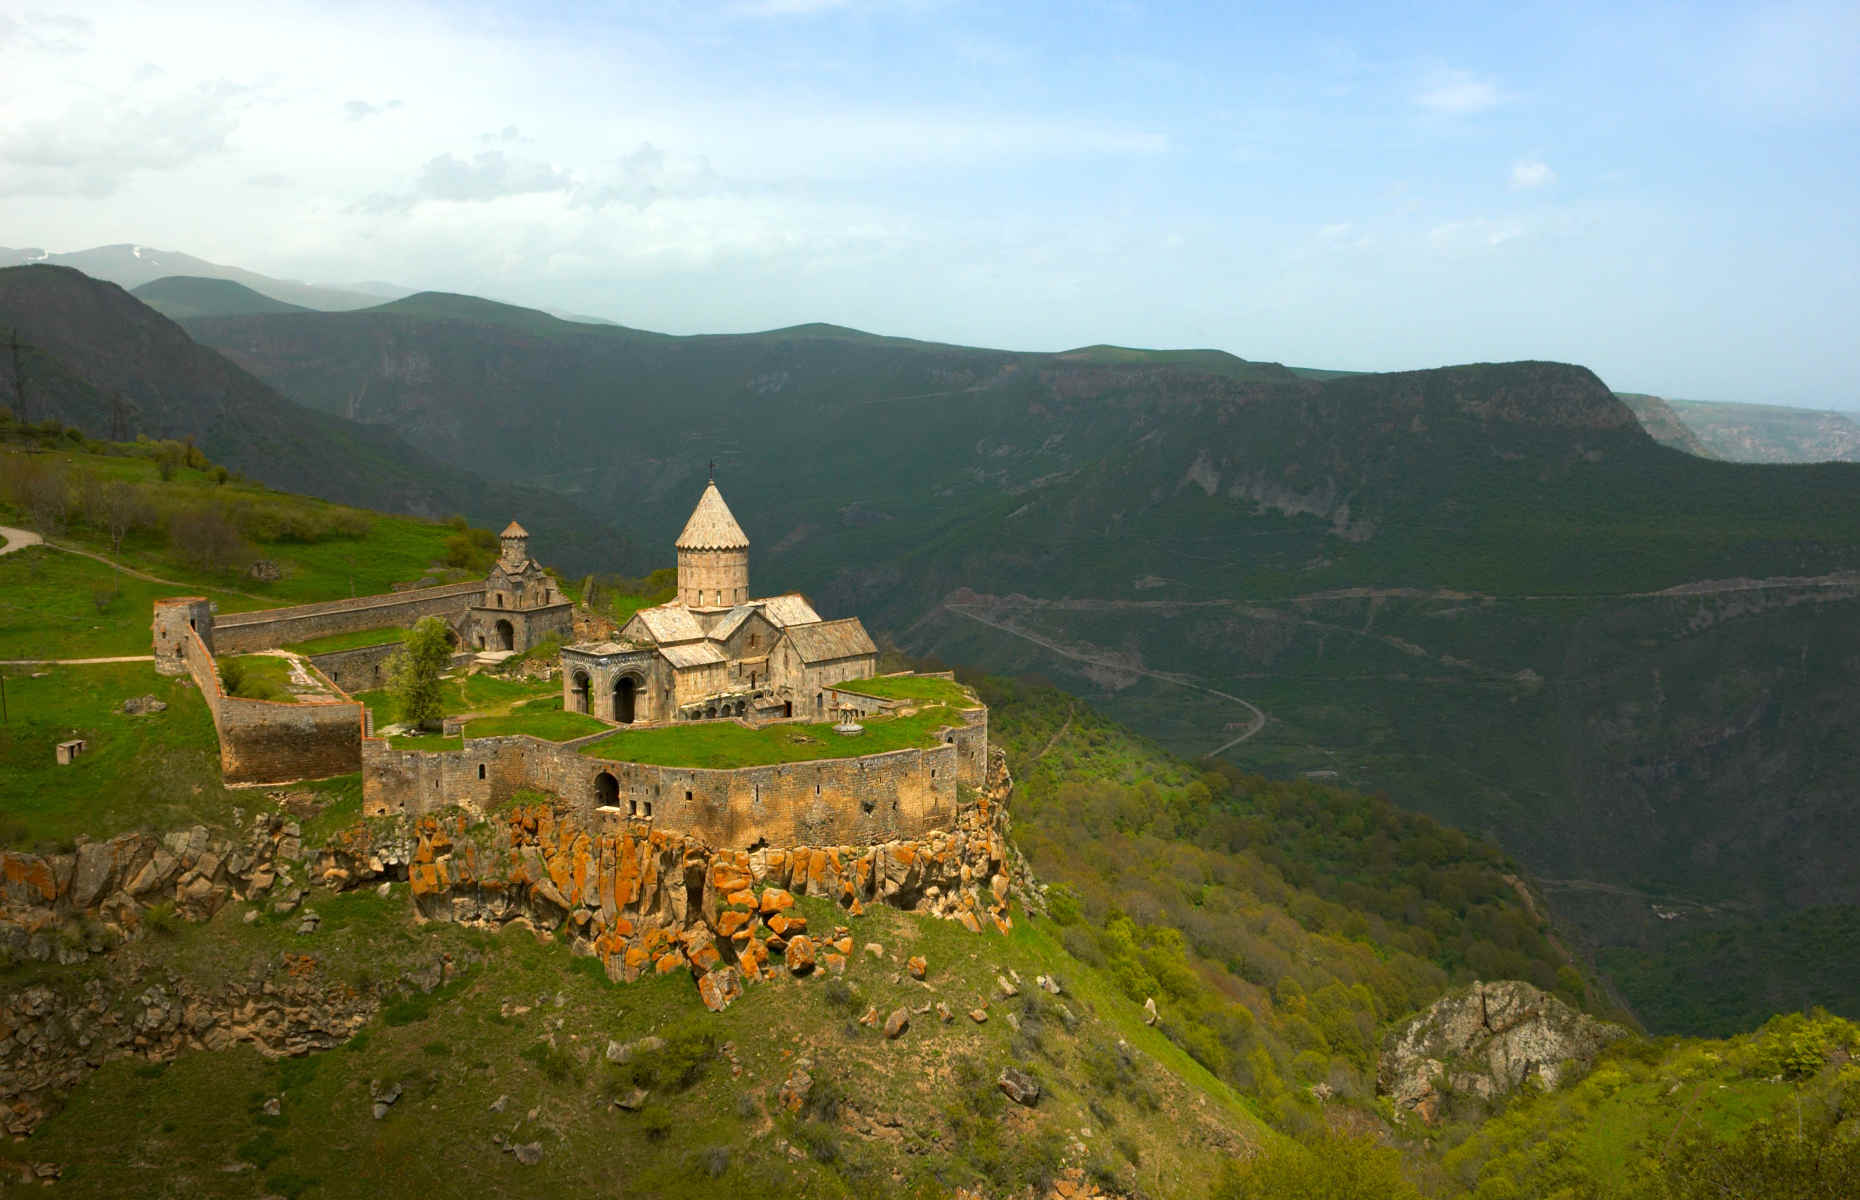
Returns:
<point x="206" y="538"/>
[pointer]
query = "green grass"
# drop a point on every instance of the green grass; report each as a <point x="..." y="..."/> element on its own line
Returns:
<point x="724" y="744"/>
<point x="58" y="605"/>
<point x="156" y="771"/>
<point x="931" y="688"/>
<point x="490" y="695"/>
<point x="526" y="1020"/>
<point x="349" y="641"/>
<point x="426" y="741"/>
<point x="258" y="676"/>
<point x="550" y="726"/>
<point x="326" y="551"/>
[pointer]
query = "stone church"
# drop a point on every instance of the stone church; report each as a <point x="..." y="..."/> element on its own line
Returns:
<point x="713" y="652"/>
<point x="521" y="605"/>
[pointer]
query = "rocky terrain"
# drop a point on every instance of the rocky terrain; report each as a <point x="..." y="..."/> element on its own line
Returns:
<point x="1484" y="1042"/>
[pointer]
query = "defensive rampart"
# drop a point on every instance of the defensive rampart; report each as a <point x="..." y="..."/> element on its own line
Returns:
<point x="270" y="628"/>
<point x="872" y="798"/>
<point x="268" y="741"/>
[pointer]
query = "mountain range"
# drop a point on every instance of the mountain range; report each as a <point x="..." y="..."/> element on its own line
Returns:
<point x="1483" y="590"/>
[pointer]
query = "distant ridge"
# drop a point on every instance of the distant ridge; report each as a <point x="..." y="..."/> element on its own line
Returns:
<point x="129" y="266"/>
<point x="178" y="297"/>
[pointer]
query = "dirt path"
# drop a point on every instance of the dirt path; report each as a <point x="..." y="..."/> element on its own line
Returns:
<point x="18" y="539"/>
<point x="73" y="662"/>
<point x="28" y="538"/>
<point x="1259" y="714"/>
<point x="1054" y="740"/>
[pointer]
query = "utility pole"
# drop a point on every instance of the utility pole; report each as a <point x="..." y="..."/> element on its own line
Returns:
<point x="2" y="697"/>
<point x="19" y="380"/>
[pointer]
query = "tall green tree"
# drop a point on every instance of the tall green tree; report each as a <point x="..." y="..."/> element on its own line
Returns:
<point x="413" y="673"/>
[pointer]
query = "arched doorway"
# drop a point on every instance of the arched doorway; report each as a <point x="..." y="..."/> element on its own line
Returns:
<point x="626" y="699"/>
<point x="580" y="692"/>
<point x="506" y="636"/>
<point x="606" y="790"/>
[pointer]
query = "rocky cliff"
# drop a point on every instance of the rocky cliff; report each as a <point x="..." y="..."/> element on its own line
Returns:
<point x="1485" y="1042"/>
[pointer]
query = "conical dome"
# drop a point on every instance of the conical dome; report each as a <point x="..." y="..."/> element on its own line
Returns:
<point x="712" y="527"/>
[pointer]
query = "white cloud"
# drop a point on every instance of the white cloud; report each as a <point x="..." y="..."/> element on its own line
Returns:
<point x="1477" y="233"/>
<point x="357" y="110"/>
<point x="1531" y="173"/>
<point x="1457" y="93"/>
<point x="788" y="8"/>
<point x="92" y="144"/>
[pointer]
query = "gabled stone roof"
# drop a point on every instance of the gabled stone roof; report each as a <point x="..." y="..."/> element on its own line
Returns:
<point x="711" y="526"/>
<point x="790" y="608"/>
<point x="825" y="641"/>
<point x="692" y="654"/>
<point x="732" y="621"/>
<point x="669" y="624"/>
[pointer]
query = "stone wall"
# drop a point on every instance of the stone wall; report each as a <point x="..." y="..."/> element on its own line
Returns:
<point x="867" y="799"/>
<point x="270" y="628"/>
<point x="359" y="670"/>
<point x="642" y="899"/>
<point x="267" y="741"/>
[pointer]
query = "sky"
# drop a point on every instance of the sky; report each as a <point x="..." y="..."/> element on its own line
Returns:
<point x="1669" y="195"/>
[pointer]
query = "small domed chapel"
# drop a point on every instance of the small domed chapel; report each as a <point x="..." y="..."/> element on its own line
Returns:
<point x="713" y="652"/>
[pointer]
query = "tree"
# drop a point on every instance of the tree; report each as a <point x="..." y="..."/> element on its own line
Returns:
<point x="1333" y="1167"/>
<point x="414" y="671"/>
<point x="117" y="507"/>
<point x="206" y="538"/>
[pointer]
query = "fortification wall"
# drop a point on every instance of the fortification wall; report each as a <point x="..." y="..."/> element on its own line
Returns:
<point x="267" y="741"/>
<point x="270" y="628"/>
<point x="359" y="670"/>
<point x="878" y="797"/>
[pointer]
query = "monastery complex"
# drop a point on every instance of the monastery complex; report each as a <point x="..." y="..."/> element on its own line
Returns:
<point x="788" y="689"/>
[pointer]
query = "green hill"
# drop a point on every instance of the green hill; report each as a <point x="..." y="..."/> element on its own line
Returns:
<point x="93" y="356"/>
<point x="1483" y="590"/>
<point x="1281" y="928"/>
<point x="180" y="296"/>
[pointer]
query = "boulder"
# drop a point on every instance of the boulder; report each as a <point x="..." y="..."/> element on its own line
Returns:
<point x="720" y="988"/>
<point x="897" y="1023"/>
<point x="800" y="954"/>
<point x="794" y="1091"/>
<point x="1487" y="1041"/>
<point x="918" y="966"/>
<point x="1018" y="1086"/>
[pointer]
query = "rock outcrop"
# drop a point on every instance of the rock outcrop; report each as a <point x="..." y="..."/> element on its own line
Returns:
<point x="1486" y="1041"/>
<point x="53" y="1036"/>
<point x="65" y="907"/>
<point x="643" y="900"/>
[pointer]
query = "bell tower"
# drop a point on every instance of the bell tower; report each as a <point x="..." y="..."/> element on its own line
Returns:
<point x="713" y="556"/>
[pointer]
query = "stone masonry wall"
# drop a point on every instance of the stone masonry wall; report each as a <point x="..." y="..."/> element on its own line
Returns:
<point x="268" y="629"/>
<point x="643" y="900"/>
<point x="850" y="800"/>
<point x="266" y="741"/>
<point x="359" y="670"/>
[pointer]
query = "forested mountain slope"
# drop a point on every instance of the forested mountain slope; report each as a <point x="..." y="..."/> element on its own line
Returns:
<point x="1484" y="590"/>
<point x="91" y="355"/>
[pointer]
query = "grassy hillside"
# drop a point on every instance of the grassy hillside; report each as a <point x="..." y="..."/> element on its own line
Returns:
<point x="1450" y="586"/>
<point x="95" y="357"/>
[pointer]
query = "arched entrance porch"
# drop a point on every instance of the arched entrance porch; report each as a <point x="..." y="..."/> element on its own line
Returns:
<point x="626" y="699"/>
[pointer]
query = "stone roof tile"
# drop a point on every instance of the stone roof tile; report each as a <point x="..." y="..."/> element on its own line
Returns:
<point x="712" y="527"/>
<point x="825" y="641"/>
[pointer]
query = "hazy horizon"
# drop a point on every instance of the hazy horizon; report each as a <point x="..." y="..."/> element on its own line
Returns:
<point x="1663" y="196"/>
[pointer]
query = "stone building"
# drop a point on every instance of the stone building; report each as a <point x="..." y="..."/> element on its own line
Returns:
<point x="521" y="605"/>
<point x="713" y="651"/>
